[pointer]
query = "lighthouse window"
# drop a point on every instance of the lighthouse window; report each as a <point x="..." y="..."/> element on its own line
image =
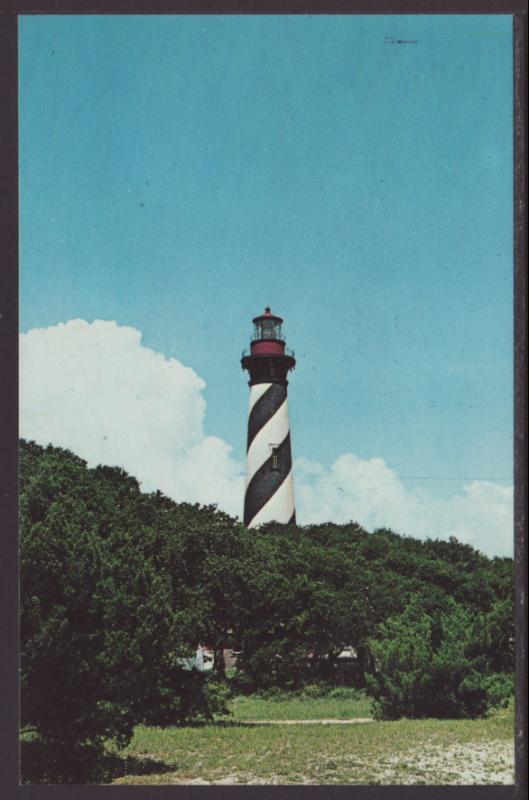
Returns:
<point x="268" y="329"/>
<point x="275" y="458"/>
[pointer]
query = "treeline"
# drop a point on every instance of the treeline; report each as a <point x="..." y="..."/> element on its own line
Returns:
<point x="118" y="587"/>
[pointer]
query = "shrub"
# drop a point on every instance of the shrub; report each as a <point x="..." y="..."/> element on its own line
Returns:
<point x="216" y="696"/>
<point x="500" y="688"/>
<point x="432" y="666"/>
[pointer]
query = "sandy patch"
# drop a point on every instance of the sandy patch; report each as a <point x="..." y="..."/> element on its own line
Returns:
<point x="458" y="764"/>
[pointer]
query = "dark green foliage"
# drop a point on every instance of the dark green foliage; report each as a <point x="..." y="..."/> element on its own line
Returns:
<point x="108" y="610"/>
<point x="312" y="591"/>
<point x="305" y="603"/>
<point x="118" y="587"/>
<point x="434" y="665"/>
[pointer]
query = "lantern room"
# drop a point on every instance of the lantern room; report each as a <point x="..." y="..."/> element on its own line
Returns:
<point x="267" y="326"/>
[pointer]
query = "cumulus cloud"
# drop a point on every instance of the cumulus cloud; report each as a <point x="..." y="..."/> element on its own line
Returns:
<point x="95" y="389"/>
<point x="370" y="493"/>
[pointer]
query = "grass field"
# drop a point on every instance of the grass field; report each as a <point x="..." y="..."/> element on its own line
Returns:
<point x="345" y="705"/>
<point x="402" y="752"/>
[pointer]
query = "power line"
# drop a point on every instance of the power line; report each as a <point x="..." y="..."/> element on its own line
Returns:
<point x="419" y="478"/>
<point x="439" y="478"/>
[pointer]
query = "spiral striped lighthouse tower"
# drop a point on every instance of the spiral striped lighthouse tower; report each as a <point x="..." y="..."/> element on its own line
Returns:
<point x="269" y="494"/>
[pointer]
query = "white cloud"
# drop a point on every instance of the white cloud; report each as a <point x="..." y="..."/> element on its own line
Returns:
<point x="96" y="390"/>
<point x="370" y="493"/>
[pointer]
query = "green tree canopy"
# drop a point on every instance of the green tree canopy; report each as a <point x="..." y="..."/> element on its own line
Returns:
<point x="118" y="587"/>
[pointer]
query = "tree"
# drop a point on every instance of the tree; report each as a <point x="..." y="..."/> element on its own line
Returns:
<point x="103" y="637"/>
<point x="118" y="587"/>
<point x="303" y="605"/>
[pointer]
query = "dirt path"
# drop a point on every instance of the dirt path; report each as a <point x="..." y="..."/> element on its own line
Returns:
<point x="354" y="721"/>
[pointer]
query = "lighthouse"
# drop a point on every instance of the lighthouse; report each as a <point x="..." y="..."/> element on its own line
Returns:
<point x="269" y="493"/>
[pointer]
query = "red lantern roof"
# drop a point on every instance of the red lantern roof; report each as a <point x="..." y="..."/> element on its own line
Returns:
<point x="267" y="315"/>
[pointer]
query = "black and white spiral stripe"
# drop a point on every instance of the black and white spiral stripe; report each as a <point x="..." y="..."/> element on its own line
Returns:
<point x="269" y="486"/>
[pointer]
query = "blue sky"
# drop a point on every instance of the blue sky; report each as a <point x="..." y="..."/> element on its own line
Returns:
<point x="177" y="174"/>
